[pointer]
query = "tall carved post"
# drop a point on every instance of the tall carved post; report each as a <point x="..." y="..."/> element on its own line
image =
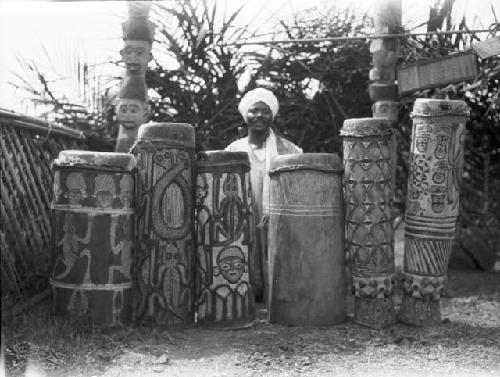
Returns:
<point x="436" y="158"/>
<point x="133" y="108"/>
<point x="306" y="240"/>
<point x="369" y="229"/>
<point x="164" y="264"/>
<point x="93" y="224"/>
<point x="383" y="89"/>
<point x="224" y="232"/>
<point x="387" y="20"/>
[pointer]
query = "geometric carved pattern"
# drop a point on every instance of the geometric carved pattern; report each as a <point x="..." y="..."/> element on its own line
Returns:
<point x="427" y="257"/>
<point x="369" y="229"/>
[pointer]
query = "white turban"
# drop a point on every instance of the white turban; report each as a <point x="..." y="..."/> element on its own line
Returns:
<point x="258" y="95"/>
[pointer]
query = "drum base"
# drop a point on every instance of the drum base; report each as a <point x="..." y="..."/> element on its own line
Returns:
<point x="420" y="312"/>
<point x="376" y="313"/>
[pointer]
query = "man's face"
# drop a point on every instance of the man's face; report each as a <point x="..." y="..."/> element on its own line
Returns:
<point x="259" y="117"/>
<point x="131" y="113"/>
<point x="136" y="55"/>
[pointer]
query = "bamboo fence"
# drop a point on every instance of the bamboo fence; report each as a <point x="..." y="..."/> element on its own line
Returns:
<point x="28" y="146"/>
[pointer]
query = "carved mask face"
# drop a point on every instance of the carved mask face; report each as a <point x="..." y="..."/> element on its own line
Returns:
<point x="131" y="113"/>
<point x="441" y="146"/>
<point x="422" y="141"/>
<point x="104" y="199"/>
<point x="439" y="176"/>
<point x="232" y="268"/>
<point x="136" y="55"/>
<point x="231" y="264"/>
<point x="75" y="196"/>
<point x="126" y="198"/>
<point x="437" y="198"/>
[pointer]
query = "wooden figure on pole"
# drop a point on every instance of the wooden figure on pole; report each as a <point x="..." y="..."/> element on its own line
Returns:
<point x="133" y="110"/>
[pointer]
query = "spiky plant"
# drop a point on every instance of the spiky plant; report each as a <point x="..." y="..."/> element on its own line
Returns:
<point x="200" y="85"/>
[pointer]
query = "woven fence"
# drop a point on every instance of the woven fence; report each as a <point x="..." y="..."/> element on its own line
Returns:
<point x="28" y="146"/>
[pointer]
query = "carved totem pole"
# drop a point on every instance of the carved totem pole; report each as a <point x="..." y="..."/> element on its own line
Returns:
<point x="164" y="262"/>
<point x="383" y="88"/>
<point x="133" y="108"/>
<point x="369" y="229"/>
<point x="224" y="232"/>
<point x="132" y="111"/>
<point x="93" y="232"/>
<point x="436" y="163"/>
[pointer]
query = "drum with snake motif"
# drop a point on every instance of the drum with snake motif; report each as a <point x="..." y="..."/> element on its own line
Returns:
<point x="164" y="262"/>
<point x="432" y="206"/>
<point x="306" y="240"/>
<point x="224" y="234"/>
<point x="93" y="233"/>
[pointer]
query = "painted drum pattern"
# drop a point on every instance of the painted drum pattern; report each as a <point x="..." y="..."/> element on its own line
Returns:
<point x="224" y="234"/>
<point x="432" y="206"/>
<point x="306" y="240"/>
<point x="93" y="234"/>
<point x="164" y="263"/>
<point x="369" y="228"/>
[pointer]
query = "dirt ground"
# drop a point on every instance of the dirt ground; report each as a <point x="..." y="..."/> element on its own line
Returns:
<point x="467" y="343"/>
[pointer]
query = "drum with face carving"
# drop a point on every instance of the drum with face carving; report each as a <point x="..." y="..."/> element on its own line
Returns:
<point x="224" y="235"/>
<point x="93" y="233"/>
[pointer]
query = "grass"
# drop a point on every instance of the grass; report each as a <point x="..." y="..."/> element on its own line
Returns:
<point x="466" y="343"/>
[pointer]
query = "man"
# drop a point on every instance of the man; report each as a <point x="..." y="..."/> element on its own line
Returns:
<point x="259" y="108"/>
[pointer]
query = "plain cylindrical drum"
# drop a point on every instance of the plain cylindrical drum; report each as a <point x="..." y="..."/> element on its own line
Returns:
<point x="306" y="240"/>
<point x="369" y="228"/>
<point x="93" y="234"/>
<point x="432" y="206"/>
<point x="164" y="263"/>
<point x="224" y="238"/>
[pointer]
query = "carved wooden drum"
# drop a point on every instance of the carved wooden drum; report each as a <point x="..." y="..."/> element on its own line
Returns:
<point x="432" y="206"/>
<point x="93" y="233"/>
<point x="165" y="224"/>
<point x="306" y="240"/>
<point x="224" y="234"/>
<point x="369" y="229"/>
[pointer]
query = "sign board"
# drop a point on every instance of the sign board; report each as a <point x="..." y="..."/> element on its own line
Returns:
<point x="488" y="48"/>
<point x="437" y="73"/>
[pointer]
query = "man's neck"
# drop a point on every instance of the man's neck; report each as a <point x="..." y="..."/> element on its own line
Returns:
<point x="258" y="138"/>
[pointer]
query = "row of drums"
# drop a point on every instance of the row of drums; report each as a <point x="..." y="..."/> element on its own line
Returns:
<point x="164" y="236"/>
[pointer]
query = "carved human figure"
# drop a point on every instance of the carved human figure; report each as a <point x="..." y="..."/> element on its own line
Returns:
<point x="70" y="243"/>
<point x="126" y="191"/>
<point x="76" y="188"/>
<point x="138" y="33"/>
<point x="104" y="191"/>
<point x="132" y="111"/>
<point x="123" y="248"/>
